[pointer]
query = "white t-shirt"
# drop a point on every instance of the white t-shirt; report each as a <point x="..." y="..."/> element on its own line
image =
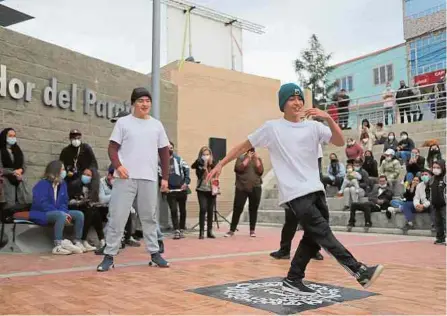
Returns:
<point x="140" y="140"/>
<point x="293" y="149"/>
<point x="320" y="151"/>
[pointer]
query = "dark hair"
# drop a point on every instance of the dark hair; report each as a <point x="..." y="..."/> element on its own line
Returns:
<point x="383" y="177"/>
<point x="93" y="186"/>
<point x="358" y="161"/>
<point x="53" y="171"/>
<point x="334" y="154"/>
<point x="392" y="133"/>
<point x="17" y="153"/>
<point x="172" y="144"/>
<point x="380" y="124"/>
<point x="366" y="121"/>
<point x="368" y="151"/>
<point x="403" y="133"/>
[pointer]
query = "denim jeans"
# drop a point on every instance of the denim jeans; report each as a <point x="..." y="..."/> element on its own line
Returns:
<point x="58" y="218"/>
<point x="404" y="155"/>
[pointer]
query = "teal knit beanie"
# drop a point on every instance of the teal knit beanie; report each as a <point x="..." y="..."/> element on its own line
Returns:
<point x="286" y="91"/>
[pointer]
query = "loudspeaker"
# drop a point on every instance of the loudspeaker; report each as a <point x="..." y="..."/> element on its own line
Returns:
<point x="219" y="148"/>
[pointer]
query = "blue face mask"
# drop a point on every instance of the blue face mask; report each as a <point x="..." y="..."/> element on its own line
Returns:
<point x="425" y="178"/>
<point x="357" y="168"/>
<point x="11" y="140"/>
<point x="63" y="174"/>
<point x="86" y="179"/>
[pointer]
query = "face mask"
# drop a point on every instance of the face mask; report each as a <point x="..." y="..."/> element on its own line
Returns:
<point x="356" y="168"/>
<point x="365" y="140"/>
<point x="349" y="170"/>
<point x="171" y="152"/>
<point x="350" y="144"/>
<point x="388" y="158"/>
<point x="368" y="158"/>
<point x="11" y="140"/>
<point x="390" y="137"/>
<point x="63" y="174"/>
<point x="413" y="155"/>
<point x="334" y="160"/>
<point x="76" y="142"/>
<point x="205" y="157"/>
<point x="436" y="171"/>
<point x="86" y="179"/>
<point x="425" y="178"/>
<point x="383" y="186"/>
<point x="434" y="149"/>
<point x="404" y="137"/>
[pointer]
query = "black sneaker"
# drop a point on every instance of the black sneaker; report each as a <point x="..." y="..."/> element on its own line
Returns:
<point x="100" y="251"/>
<point x="368" y="224"/>
<point x="138" y="234"/>
<point x="280" y="255"/>
<point x="296" y="286"/>
<point x="367" y="275"/>
<point x="439" y="242"/>
<point x="350" y="226"/>
<point x="161" y="246"/>
<point x="106" y="264"/>
<point x="318" y="256"/>
<point x="158" y="261"/>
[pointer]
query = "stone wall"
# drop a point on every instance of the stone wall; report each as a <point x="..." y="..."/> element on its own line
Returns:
<point x="426" y="24"/>
<point x="42" y="130"/>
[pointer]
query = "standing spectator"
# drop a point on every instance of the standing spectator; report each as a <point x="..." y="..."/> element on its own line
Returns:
<point x="335" y="172"/>
<point x="415" y="107"/>
<point x="12" y="163"/>
<point x="415" y="165"/>
<point x="437" y="198"/>
<point x="440" y="101"/>
<point x="77" y="156"/>
<point x="403" y="100"/>
<point x="50" y="206"/>
<point x="351" y="195"/>
<point x="434" y="154"/>
<point x="249" y="170"/>
<point x="404" y="147"/>
<point x="391" y="168"/>
<point x="135" y="143"/>
<point x="207" y="200"/>
<point x="379" y="134"/>
<point x="388" y="103"/>
<point x="366" y="136"/>
<point x="379" y="199"/>
<point x="343" y="109"/>
<point x="353" y="150"/>
<point x="179" y="179"/>
<point x="370" y="164"/>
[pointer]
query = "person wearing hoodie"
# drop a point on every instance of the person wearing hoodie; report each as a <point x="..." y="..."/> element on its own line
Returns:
<point x="353" y="150"/>
<point x="207" y="200"/>
<point x="370" y="164"/>
<point x="437" y="198"/>
<point x="404" y="147"/>
<point x="434" y="154"/>
<point x="391" y="168"/>
<point x="335" y="172"/>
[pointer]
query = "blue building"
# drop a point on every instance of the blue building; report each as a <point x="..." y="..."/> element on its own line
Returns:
<point x="365" y="77"/>
<point x="425" y="35"/>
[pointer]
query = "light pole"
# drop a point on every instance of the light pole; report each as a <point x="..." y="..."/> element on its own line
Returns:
<point x="156" y="59"/>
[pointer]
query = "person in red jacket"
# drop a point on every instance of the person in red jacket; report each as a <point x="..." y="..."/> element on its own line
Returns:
<point x="353" y="150"/>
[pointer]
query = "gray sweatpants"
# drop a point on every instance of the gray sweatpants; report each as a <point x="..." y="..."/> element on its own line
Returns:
<point x="124" y="192"/>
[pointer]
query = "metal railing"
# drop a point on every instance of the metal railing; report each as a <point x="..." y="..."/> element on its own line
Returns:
<point x="422" y="106"/>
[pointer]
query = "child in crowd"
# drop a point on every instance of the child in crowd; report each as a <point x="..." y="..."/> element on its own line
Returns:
<point x="351" y="179"/>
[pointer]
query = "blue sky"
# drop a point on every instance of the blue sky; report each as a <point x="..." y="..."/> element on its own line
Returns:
<point x="115" y="30"/>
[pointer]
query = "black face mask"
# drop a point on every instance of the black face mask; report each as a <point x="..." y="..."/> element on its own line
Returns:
<point x="171" y="152"/>
<point x="368" y="158"/>
<point x="435" y="150"/>
<point x="334" y="160"/>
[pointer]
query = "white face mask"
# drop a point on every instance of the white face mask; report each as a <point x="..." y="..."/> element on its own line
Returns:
<point x="365" y="140"/>
<point x="404" y="136"/>
<point x="349" y="170"/>
<point x="76" y="142"/>
<point x="390" y="137"/>
<point x="383" y="186"/>
<point x="436" y="171"/>
<point x="205" y="157"/>
<point x="388" y="158"/>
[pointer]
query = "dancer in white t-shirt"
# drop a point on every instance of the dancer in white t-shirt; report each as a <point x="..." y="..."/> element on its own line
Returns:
<point x="292" y="142"/>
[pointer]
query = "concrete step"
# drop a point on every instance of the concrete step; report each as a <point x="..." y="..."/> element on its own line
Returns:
<point x="341" y="218"/>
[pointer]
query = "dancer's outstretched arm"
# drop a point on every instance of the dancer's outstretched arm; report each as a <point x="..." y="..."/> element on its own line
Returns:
<point x="337" y="136"/>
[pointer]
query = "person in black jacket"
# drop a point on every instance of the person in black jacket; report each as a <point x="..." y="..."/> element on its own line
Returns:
<point x="343" y="109"/>
<point x="207" y="200"/>
<point x="415" y="165"/>
<point x="434" y="154"/>
<point x="403" y="100"/>
<point x="77" y="157"/>
<point x="404" y="147"/>
<point x="379" y="199"/>
<point x="370" y="164"/>
<point x="437" y="198"/>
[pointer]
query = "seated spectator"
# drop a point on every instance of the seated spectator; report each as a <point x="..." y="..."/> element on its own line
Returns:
<point x="421" y="198"/>
<point x="437" y="198"/>
<point x="379" y="199"/>
<point x="406" y="205"/>
<point x="353" y="150"/>
<point x="105" y="193"/>
<point x="415" y="165"/>
<point x="370" y="165"/>
<point x="351" y="180"/>
<point x="12" y="162"/>
<point x="404" y="147"/>
<point x="77" y="156"/>
<point x="83" y="193"/>
<point x="366" y="136"/>
<point x="351" y="195"/>
<point x="50" y="206"/>
<point x="379" y="134"/>
<point x="391" y="168"/>
<point x="434" y="154"/>
<point x="335" y="172"/>
<point x="390" y="143"/>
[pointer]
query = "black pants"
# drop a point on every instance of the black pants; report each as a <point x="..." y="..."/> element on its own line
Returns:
<point x="407" y="110"/>
<point x="337" y="182"/>
<point x="128" y="230"/>
<point x="207" y="202"/>
<point x="288" y="232"/>
<point x="343" y="118"/>
<point x="312" y="213"/>
<point x="92" y="217"/>
<point x="366" y="207"/>
<point x="439" y="213"/>
<point x="177" y="202"/>
<point x="240" y="197"/>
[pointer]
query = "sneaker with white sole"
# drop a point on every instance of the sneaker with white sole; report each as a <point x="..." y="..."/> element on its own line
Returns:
<point x="59" y="250"/>
<point x="80" y="246"/>
<point x="87" y="246"/>
<point x="67" y="244"/>
<point x="367" y="275"/>
<point x="296" y="286"/>
<point x="229" y="234"/>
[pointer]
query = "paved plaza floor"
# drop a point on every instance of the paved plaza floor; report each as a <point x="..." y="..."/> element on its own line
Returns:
<point x="227" y="276"/>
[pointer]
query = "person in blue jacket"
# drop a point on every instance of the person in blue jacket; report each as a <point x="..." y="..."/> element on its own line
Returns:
<point x="50" y="206"/>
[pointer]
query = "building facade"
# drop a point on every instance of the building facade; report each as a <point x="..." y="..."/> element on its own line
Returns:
<point x="425" y="36"/>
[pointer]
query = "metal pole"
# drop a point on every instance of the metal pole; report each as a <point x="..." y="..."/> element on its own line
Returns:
<point x="189" y="32"/>
<point x="156" y="59"/>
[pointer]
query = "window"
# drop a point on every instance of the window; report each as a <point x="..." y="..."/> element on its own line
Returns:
<point x="383" y="74"/>
<point x="346" y="83"/>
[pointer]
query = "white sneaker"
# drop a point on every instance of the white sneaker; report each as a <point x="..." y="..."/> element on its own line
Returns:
<point x="59" y="250"/>
<point x="80" y="246"/>
<point x="67" y="244"/>
<point x="102" y="243"/>
<point x="87" y="246"/>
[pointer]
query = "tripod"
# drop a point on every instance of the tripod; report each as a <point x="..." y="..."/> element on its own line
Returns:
<point x="216" y="216"/>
